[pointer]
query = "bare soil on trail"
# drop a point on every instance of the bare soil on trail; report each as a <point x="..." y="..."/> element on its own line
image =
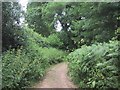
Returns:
<point x="56" y="77"/>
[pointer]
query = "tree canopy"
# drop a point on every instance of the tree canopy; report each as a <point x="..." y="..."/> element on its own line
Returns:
<point x="11" y="14"/>
<point x="82" y="23"/>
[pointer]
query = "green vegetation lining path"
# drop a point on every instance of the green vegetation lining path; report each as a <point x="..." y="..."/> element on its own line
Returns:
<point x="56" y="77"/>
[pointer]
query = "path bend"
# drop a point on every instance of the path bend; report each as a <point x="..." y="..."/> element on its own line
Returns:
<point x="56" y="77"/>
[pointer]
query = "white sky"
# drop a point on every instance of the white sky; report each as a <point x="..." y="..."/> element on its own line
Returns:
<point x="23" y="4"/>
<point x="24" y="8"/>
<point x="58" y="26"/>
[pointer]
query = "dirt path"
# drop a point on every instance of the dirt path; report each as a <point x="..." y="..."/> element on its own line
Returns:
<point x="56" y="77"/>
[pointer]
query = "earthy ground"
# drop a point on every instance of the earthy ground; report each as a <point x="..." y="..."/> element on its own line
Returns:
<point x="56" y="77"/>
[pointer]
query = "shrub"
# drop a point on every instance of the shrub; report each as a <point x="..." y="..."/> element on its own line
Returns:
<point x="28" y="36"/>
<point x="23" y="66"/>
<point x="27" y="64"/>
<point x="95" y="66"/>
<point x="13" y="65"/>
<point x="54" y="41"/>
<point x="53" y="55"/>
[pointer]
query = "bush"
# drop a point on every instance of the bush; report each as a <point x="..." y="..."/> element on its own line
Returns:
<point x="28" y="36"/>
<point x="27" y="64"/>
<point x="19" y="68"/>
<point x="53" y="55"/>
<point x="13" y="66"/>
<point x="23" y="66"/>
<point x="54" y="41"/>
<point x="95" y="66"/>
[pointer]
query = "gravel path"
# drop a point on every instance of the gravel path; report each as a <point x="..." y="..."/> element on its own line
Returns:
<point x="56" y="77"/>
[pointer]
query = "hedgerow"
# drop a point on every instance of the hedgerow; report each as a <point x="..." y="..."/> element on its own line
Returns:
<point x="95" y="66"/>
<point x="22" y="66"/>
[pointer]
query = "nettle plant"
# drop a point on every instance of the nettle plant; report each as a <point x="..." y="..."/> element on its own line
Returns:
<point x="95" y="66"/>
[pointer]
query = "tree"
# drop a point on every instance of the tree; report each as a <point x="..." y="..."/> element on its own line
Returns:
<point x="34" y="18"/>
<point x="11" y="13"/>
<point x="82" y="23"/>
<point x="88" y="23"/>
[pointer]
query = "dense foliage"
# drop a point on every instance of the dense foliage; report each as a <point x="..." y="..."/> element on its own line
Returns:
<point x="95" y="66"/>
<point x="28" y="63"/>
<point x="82" y="23"/>
<point x="11" y="14"/>
<point x="35" y="20"/>
<point x="30" y="48"/>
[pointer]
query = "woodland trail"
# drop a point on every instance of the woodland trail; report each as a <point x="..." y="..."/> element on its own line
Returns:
<point x="56" y="77"/>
